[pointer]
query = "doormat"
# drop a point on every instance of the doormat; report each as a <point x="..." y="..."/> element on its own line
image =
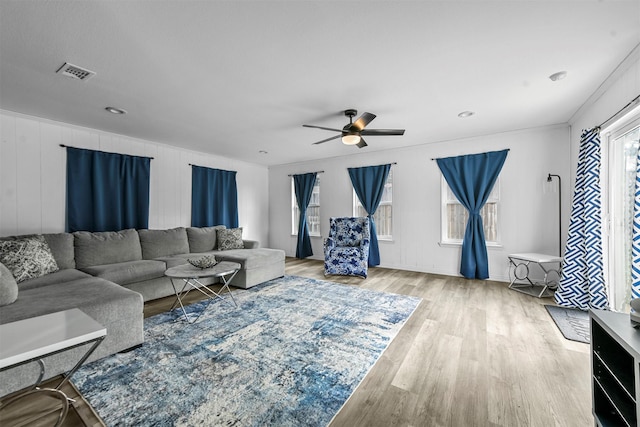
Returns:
<point x="573" y="323"/>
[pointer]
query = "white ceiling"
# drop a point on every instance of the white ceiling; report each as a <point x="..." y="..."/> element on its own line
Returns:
<point x="236" y="77"/>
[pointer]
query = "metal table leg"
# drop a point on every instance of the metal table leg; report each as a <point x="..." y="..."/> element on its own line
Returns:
<point x="189" y="285"/>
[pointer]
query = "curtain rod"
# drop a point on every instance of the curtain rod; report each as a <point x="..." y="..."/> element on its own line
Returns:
<point x="617" y="113"/>
<point x="292" y="174"/>
<point x="212" y="168"/>
<point x="394" y="163"/>
<point x="68" y="146"/>
<point x="508" y="149"/>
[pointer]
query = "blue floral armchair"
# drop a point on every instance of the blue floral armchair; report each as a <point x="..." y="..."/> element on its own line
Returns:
<point x="346" y="250"/>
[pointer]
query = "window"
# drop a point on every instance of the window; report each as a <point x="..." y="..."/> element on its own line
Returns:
<point x="455" y="216"/>
<point x="622" y="146"/>
<point x="313" y="210"/>
<point x="383" y="216"/>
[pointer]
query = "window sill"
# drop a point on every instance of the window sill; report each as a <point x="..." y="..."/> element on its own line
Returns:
<point x="456" y="244"/>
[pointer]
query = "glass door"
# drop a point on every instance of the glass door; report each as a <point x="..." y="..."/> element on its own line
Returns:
<point x="623" y="153"/>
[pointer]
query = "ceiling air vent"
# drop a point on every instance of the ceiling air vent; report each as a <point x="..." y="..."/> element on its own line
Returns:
<point x="75" y="72"/>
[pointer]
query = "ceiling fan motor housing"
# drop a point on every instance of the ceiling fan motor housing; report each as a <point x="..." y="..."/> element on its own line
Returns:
<point x="351" y="113"/>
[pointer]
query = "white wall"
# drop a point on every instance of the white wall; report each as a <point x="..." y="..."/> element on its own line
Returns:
<point x="529" y="213"/>
<point x="33" y="176"/>
<point x="622" y="86"/>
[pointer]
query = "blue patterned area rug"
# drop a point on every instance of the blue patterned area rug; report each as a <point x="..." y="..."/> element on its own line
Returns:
<point x="291" y="354"/>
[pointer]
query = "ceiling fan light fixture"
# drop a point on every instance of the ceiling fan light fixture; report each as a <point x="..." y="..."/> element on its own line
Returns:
<point x="350" y="139"/>
<point x="114" y="110"/>
<point x="466" y="114"/>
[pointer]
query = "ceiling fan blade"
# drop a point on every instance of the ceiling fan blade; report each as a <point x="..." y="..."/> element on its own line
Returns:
<point x="362" y="121"/>
<point x="322" y="127"/>
<point x="361" y="144"/>
<point x="382" y="132"/>
<point x="328" y="139"/>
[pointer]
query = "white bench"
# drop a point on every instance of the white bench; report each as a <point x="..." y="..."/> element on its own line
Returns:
<point x="519" y="264"/>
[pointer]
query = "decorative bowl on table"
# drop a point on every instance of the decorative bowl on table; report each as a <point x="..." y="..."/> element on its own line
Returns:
<point x="204" y="262"/>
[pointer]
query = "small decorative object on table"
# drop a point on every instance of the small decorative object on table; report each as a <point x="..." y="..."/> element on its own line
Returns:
<point x="204" y="262"/>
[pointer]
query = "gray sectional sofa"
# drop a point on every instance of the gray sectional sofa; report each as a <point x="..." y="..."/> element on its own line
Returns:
<point x="109" y="276"/>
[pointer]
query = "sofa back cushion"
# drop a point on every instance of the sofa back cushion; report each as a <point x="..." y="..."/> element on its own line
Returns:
<point x="61" y="245"/>
<point x="162" y="243"/>
<point x="203" y="239"/>
<point x="106" y="247"/>
<point x="125" y="273"/>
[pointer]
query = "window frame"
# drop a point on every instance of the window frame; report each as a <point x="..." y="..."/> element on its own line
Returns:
<point x="608" y="136"/>
<point x="295" y="211"/>
<point x="448" y="198"/>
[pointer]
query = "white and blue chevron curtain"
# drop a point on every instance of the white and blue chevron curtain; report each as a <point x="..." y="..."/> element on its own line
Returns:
<point x="582" y="282"/>
<point x="635" y="242"/>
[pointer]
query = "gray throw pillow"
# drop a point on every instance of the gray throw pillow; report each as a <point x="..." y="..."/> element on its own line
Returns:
<point x="229" y="238"/>
<point x="27" y="257"/>
<point x="8" y="286"/>
<point x="202" y="239"/>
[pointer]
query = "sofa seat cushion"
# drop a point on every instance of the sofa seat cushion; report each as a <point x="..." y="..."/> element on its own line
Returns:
<point x="251" y="258"/>
<point x="100" y="299"/>
<point x="163" y="243"/>
<point x="106" y="247"/>
<point x="178" y="259"/>
<point x="346" y="252"/>
<point x="124" y="273"/>
<point x="60" y="276"/>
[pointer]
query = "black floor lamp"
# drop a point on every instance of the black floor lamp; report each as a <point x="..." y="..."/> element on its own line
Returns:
<point x="549" y="179"/>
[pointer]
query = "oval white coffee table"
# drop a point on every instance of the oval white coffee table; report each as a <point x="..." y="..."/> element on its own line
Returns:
<point x="224" y="270"/>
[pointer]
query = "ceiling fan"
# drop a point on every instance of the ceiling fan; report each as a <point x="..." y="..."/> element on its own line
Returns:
<point x="352" y="133"/>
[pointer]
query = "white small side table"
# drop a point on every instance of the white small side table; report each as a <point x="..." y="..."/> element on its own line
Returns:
<point x="33" y="339"/>
<point x="549" y="264"/>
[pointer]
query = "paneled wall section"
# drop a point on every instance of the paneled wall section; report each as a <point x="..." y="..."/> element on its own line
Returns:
<point x="33" y="177"/>
<point x="528" y="208"/>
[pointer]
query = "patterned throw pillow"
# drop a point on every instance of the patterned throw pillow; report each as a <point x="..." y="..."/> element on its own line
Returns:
<point x="27" y="257"/>
<point x="229" y="238"/>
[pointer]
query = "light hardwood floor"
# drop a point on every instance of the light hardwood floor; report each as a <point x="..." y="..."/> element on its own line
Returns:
<point x="474" y="353"/>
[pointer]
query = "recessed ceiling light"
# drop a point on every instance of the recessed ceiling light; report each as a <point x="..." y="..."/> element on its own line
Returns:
<point x="465" y="114"/>
<point x="558" y="76"/>
<point x="114" y="110"/>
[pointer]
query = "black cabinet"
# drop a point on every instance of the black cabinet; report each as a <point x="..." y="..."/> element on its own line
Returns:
<point x="615" y="363"/>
